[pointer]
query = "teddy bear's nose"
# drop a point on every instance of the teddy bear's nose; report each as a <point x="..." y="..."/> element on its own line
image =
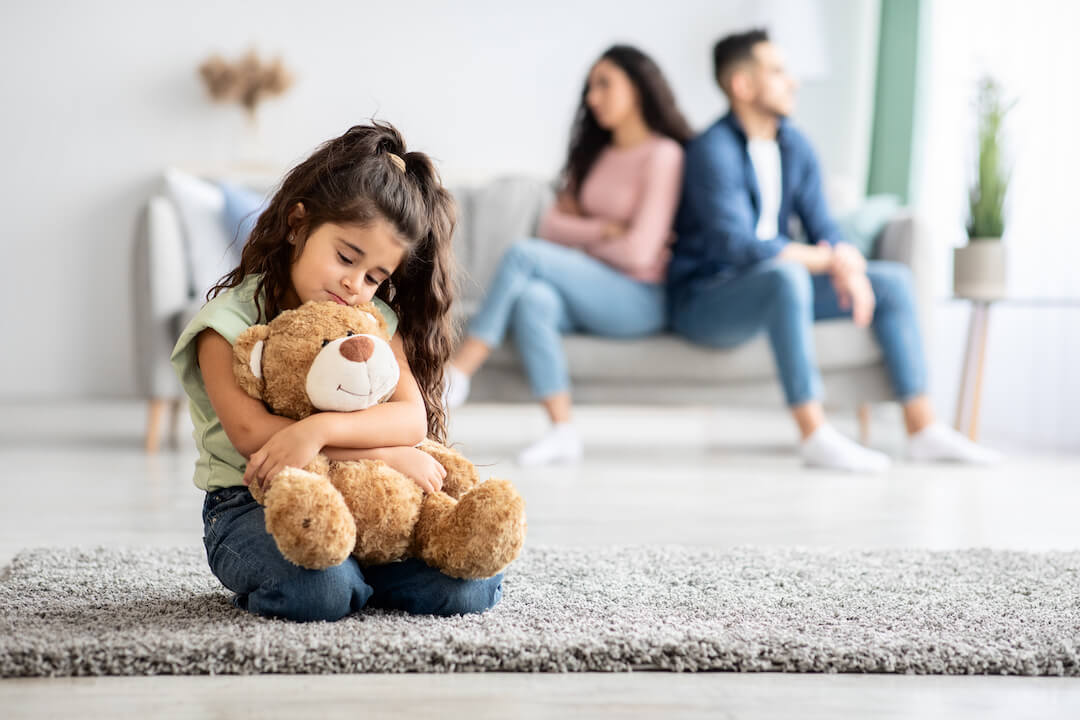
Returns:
<point x="358" y="348"/>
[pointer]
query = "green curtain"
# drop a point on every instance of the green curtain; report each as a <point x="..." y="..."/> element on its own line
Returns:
<point x="895" y="97"/>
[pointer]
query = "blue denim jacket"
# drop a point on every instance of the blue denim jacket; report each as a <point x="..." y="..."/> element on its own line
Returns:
<point x="718" y="213"/>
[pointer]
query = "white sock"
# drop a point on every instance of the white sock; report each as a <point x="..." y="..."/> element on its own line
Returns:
<point x="937" y="442"/>
<point x="827" y="448"/>
<point x="561" y="444"/>
<point x="455" y="387"/>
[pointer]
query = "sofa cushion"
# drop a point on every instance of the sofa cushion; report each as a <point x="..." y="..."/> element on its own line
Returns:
<point x="840" y="345"/>
<point x="862" y="225"/>
<point x="201" y="207"/>
<point x="242" y="209"/>
<point x="492" y="217"/>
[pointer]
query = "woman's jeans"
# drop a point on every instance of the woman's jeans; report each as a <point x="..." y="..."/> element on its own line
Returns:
<point x="783" y="299"/>
<point x="245" y="558"/>
<point x="543" y="290"/>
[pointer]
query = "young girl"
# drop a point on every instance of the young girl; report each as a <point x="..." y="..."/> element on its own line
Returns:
<point x="599" y="263"/>
<point x="359" y="220"/>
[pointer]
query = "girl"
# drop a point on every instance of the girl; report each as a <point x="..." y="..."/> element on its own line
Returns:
<point x="360" y="219"/>
<point x="603" y="247"/>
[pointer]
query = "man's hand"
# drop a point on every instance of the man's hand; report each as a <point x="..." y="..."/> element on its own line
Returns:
<point x="855" y="293"/>
<point x="416" y="465"/>
<point x="293" y="446"/>
<point x="846" y="259"/>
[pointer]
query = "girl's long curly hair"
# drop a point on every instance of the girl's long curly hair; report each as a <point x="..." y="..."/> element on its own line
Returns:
<point x="658" y="107"/>
<point x="353" y="180"/>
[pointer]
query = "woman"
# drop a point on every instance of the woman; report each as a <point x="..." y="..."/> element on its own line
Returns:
<point x="602" y="252"/>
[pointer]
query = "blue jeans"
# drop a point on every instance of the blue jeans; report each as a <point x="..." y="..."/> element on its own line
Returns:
<point x="244" y="557"/>
<point x="783" y="299"/>
<point x="543" y="290"/>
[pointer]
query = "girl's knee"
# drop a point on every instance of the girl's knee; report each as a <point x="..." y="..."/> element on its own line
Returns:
<point x="458" y="597"/>
<point x="312" y="595"/>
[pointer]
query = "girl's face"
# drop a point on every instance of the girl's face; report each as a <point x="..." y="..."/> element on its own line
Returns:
<point x="611" y="95"/>
<point x="345" y="263"/>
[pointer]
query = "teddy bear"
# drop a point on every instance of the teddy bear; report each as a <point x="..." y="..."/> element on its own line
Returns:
<point x="326" y="356"/>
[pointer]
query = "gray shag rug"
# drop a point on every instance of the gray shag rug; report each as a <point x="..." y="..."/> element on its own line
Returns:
<point x="160" y="611"/>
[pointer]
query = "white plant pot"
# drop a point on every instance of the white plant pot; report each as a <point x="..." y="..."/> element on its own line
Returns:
<point x="979" y="270"/>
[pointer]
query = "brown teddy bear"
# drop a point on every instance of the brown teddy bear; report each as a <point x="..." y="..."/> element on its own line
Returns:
<point x="326" y="356"/>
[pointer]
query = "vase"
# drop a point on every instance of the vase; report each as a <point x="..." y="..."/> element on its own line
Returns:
<point x="979" y="270"/>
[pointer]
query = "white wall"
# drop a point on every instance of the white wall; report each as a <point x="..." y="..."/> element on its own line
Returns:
<point x="99" y="97"/>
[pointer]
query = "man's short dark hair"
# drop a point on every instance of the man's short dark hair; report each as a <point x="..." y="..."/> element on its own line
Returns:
<point x="734" y="49"/>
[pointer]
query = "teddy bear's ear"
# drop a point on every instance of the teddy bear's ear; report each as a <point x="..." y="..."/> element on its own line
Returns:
<point x="247" y="359"/>
<point x="372" y="314"/>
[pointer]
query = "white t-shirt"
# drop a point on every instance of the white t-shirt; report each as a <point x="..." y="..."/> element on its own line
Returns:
<point x="765" y="157"/>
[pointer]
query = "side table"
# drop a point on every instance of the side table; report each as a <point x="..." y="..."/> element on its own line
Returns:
<point x="969" y="395"/>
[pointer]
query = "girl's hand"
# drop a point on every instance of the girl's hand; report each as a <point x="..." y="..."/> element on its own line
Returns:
<point x="416" y="465"/>
<point x="293" y="446"/>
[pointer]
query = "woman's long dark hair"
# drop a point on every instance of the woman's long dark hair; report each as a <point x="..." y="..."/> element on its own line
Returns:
<point x="353" y="180"/>
<point x="662" y="115"/>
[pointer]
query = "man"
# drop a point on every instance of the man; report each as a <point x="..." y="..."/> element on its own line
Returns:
<point x="735" y="273"/>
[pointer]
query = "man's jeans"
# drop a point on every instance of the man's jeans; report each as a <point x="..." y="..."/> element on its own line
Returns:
<point x="783" y="299"/>
<point x="246" y="560"/>
<point x="543" y="290"/>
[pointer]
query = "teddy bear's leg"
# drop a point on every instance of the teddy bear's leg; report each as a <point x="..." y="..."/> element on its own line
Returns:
<point x="384" y="505"/>
<point x="309" y="519"/>
<point x="461" y="474"/>
<point x="476" y="536"/>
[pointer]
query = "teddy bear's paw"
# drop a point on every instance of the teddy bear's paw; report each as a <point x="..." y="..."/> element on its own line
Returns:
<point x="461" y="475"/>
<point x="309" y="520"/>
<point x="476" y="537"/>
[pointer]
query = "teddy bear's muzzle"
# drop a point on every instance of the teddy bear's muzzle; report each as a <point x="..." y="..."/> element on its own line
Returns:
<point x="352" y="373"/>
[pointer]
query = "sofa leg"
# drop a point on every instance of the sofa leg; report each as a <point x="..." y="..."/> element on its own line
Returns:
<point x="863" y="414"/>
<point x="153" y="424"/>
<point x="175" y="406"/>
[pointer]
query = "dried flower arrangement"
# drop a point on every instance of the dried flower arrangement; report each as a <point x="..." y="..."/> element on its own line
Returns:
<point x="247" y="80"/>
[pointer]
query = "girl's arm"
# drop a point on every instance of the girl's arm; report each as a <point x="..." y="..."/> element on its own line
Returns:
<point x="246" y="421"/>
<point x="411" y="462"/>
<point x="401" y="421"/>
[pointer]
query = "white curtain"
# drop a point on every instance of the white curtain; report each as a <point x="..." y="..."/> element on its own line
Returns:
<point x="1031" y="390"/>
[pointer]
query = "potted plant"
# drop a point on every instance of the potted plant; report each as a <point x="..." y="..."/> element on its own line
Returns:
<point x="979" y="266"/>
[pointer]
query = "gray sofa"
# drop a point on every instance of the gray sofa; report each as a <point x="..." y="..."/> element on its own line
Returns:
<point x="664" y="368"/>
<point x="658" y="369"/>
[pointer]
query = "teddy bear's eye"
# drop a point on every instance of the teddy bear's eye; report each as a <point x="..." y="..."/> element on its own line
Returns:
<point x="349" y="334"/>
<point x="325" y="343"/>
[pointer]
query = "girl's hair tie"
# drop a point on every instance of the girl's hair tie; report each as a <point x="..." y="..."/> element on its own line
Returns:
<point x="396" y="159"/>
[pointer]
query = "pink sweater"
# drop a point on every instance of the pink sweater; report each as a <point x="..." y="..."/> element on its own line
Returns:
<point x="637" y="187"/>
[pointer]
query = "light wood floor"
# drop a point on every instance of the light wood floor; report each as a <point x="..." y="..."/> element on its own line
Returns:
<point x="75" y="474"/>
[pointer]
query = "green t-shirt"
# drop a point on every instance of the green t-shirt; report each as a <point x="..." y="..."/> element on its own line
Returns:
<point x="229" y="314"/>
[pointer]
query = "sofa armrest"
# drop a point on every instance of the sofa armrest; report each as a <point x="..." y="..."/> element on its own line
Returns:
<point x="906" y="239"/>
<point x="168" y="291"/>
<point x="161" y="293"/>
